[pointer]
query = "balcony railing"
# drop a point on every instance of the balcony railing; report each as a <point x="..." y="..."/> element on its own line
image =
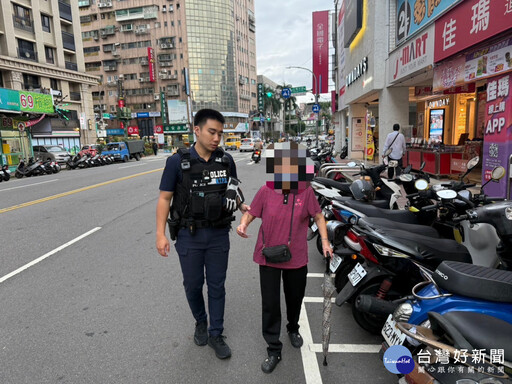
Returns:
<point x="23" y="23"/>
<point x="144" y="61"/>
<point x="65" y="11"/>
<point x="75" y="96"/>
<point x="84" y="3"/>
<point x="105" y="32"/>
<point x="110" y="68"/>
<point x="68" y="41"/>
<point x="71" y="66"/>
<point x="27" y="54"/>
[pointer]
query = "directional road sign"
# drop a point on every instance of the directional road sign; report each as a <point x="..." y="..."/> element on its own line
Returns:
<point x="316" y="108"/>
<point x="286" y="93"/>
<point x="298" y="90"/>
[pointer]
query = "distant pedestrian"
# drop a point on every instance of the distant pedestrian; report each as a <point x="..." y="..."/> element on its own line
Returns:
<point x="155" y="147"/>
<point x="396" y="141"/>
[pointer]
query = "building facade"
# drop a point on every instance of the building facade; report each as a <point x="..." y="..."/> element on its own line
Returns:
<point x="166" y="59"/>
<point x="42" y="63"/>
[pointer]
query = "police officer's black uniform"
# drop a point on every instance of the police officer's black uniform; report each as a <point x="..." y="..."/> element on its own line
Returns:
<point x="201" y="226"/>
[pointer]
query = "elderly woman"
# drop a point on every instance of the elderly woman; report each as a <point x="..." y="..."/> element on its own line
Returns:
<point x="285" y="207"/>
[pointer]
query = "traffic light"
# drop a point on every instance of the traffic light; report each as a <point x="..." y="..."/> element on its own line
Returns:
<point x="270" y="94"/>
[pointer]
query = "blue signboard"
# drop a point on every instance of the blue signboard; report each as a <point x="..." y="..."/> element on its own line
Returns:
<point x="316" y="108"/>
<point x="413" y="15"/>
<point x="142" y="115"/>
<point x="286" y="93"/>
<point x="115" y="132"/>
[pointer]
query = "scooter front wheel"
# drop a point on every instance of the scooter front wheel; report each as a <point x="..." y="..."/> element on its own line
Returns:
<point x="18" y="175"/>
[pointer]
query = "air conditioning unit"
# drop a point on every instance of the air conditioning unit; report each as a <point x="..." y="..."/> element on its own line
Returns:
<point x="164" y="46"/>
<point x="164" y="10"/>
<point x="96" y="37"/>
<point x="121" y="77"/>
<point x="116" y="53"/>
<point x="117" y="44"/>
<point x="141" y="79"/>
<point x="157" y="96"/>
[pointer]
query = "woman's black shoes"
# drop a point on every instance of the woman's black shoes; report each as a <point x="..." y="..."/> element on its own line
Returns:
<point x="296" y="339"/>
<point x="270" y="363"/>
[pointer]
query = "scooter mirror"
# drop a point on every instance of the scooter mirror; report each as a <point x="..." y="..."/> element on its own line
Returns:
<point x="406" y="178"/>
<point x="497" y="173"/>
<point x="393" y="163"/>
<point x="472" y="163"/>
<point x="421" y="184"/>
<point x="422" y="165"/>
<point x="447" y="194"/>
<point x="388" y="152"/>
<point x="352" y="164"/>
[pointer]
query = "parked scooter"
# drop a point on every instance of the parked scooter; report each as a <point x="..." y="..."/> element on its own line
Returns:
<point x="32" y="168"/>
<point x="256" y="156"/>
<point x="5" y="173"/>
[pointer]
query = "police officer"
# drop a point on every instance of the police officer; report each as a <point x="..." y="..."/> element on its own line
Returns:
<point x="200" y="191"/>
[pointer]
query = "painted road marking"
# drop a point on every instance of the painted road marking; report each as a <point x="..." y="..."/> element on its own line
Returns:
<point x="315" y="275"/>
<point x="28" y="185"/>
<point x="317" y="299"/>
<point x="12" y="208"/>
<point x="347" y="348"/>
<point x="46" y="255"/>
<point x="133" y="165"/>
<point x="309" y="360"/>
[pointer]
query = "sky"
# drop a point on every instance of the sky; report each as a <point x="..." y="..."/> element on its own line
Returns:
<point x="284" y="38"/>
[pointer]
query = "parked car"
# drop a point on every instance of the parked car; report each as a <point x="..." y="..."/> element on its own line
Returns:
<point x="51" y="152"/>
<point x="93" y="149"/>
<point x="247" y="145"/>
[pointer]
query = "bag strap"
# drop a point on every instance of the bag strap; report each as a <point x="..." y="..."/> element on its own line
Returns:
<point x="291" y="224"/>
<point x="390" y="145"/>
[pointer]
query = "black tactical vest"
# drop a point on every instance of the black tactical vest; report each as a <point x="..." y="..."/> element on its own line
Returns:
<point x="198" y="198"/>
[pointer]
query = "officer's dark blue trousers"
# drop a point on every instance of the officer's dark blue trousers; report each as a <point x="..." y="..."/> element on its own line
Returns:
<point x="205" y="253"/>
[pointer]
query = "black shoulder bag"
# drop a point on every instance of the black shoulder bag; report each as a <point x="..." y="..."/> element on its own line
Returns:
<point x="279" y="253"/>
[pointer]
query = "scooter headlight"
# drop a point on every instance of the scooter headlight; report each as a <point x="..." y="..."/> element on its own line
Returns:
<point x="508" y="213"/>
<point x="385" y="251"/>
<point x="403" y="312"/>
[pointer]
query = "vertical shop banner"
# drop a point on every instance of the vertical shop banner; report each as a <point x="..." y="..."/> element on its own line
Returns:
<point x="413" y="15"/>
<point x="358" y="134"/>
<point x="321" y="51"/>
<point x="152" y="66"/>
<point x="341" y="57"/>
<point x="498" y="132"/>
<point x="471" y="22"/>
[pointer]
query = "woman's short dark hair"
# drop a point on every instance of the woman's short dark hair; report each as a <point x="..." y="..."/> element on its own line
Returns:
<point x="207" y="114"/>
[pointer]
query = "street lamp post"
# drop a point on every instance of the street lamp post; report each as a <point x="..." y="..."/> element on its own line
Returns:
<point x="316" y="95"/>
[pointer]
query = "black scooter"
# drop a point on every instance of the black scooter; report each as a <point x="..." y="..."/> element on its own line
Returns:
<point x="256" y="156"/>
<point x="32" y="168"/>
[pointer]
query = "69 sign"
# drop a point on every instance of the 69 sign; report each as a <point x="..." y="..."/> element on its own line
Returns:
<point x="26" y="101"/>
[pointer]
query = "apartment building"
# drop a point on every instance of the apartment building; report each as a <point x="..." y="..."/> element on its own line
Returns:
<point x="160" y="59"/>
<point x="42" y="62"/>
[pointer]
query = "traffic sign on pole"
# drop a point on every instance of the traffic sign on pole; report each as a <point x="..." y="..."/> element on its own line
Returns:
<point x="298" y="90"/>
<point x="316" y="108"/>
<point x="286" y="93"/>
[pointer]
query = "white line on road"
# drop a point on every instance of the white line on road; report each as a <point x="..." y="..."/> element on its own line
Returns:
<point x="46" y="255"/>
<point x="315" y="274"/>
<point x="28" y="185"/>
<point x="347" y="348"/>
<point x="309" y="360"/>
<point x="133" y="165"/>
<point x="317" y="299"/>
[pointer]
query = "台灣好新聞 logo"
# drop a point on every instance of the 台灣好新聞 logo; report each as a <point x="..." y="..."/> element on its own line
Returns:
<point x="398" y="359"/>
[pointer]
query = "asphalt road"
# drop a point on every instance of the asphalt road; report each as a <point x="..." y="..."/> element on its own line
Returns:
<point x="85" y="297"/>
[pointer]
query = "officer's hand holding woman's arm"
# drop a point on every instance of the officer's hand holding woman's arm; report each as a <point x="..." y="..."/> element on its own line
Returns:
<point x="162" y="212"/>
<point x="322" y="228"/>
<point x="246" y="219"/>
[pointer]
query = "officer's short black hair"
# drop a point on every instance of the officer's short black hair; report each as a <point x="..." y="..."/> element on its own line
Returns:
<point x="396" y="127"/>
<point x="204" y="114"/>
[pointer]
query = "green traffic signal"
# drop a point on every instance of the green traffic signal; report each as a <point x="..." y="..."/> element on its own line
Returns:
<point x="269" y="94"/>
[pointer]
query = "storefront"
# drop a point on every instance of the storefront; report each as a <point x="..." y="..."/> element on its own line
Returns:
<point x="58" y="132"/>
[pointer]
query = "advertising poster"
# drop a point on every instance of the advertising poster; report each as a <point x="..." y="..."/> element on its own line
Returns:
<point x="370" y="145"/>
<point x="498" y="133"/>
<point x="489" y="61"/>
<point x="413" y="15"/>
<point x="177" y="111"/>
<point x="358" y="134"/>
<point x="449" y="74"/>
<point x="321" y="51"/>
<point x="436" y="125"/>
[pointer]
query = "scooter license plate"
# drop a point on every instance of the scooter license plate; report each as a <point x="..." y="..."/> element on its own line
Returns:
<point x="335" y="263"/>
<point x="357" y="274"/>
<point x="314" y="227"/>
<point x="391" y="333"/>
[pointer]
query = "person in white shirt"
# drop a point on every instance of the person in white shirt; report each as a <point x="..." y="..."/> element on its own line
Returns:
<point x="396" y="141"/>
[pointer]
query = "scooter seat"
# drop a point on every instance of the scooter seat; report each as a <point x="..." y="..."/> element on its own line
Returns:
<point x="426" y="250"/>
<point x="475" y="281"/>
<point x="373" y="211"/>
<point x="377" y="203"/>
<point x="386" y="225"/>
<point x="343" y="187"/>
<point x="483" y="331"/>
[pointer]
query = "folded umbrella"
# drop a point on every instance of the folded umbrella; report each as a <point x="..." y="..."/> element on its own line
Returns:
<point x="328" y="290"/>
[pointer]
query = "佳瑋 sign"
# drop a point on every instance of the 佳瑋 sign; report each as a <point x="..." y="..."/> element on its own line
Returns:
<point x="24" y="101"/>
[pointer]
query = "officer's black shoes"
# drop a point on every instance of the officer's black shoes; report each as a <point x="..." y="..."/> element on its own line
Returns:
<point x="201" y="333"/>
<point x="296" y="339"/>
<point x="270" y="363"/>
<point x="222" y="350"/>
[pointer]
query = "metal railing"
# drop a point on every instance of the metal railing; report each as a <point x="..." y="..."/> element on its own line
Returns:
<point x="70" y="65"/>
<point x="65" y="11"/>
<point x="23" y="23"/>
<point x="328" y="168"/>
<point x="75" y="96"/>
<point x="68" y="41"/>
<point x="27" y="54"/>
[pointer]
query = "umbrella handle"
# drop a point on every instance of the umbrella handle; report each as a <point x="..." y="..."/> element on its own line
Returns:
<point x="327" y="264"/>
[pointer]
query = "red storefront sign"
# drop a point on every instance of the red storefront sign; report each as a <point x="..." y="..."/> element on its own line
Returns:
<point x="120" y="103"/>
<point x="158" y="129"/>
<point x="133" y="130"/>
<point x="321" y="51"/>
<point x="151" y="61"/>
<point x="470" y="22"/>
